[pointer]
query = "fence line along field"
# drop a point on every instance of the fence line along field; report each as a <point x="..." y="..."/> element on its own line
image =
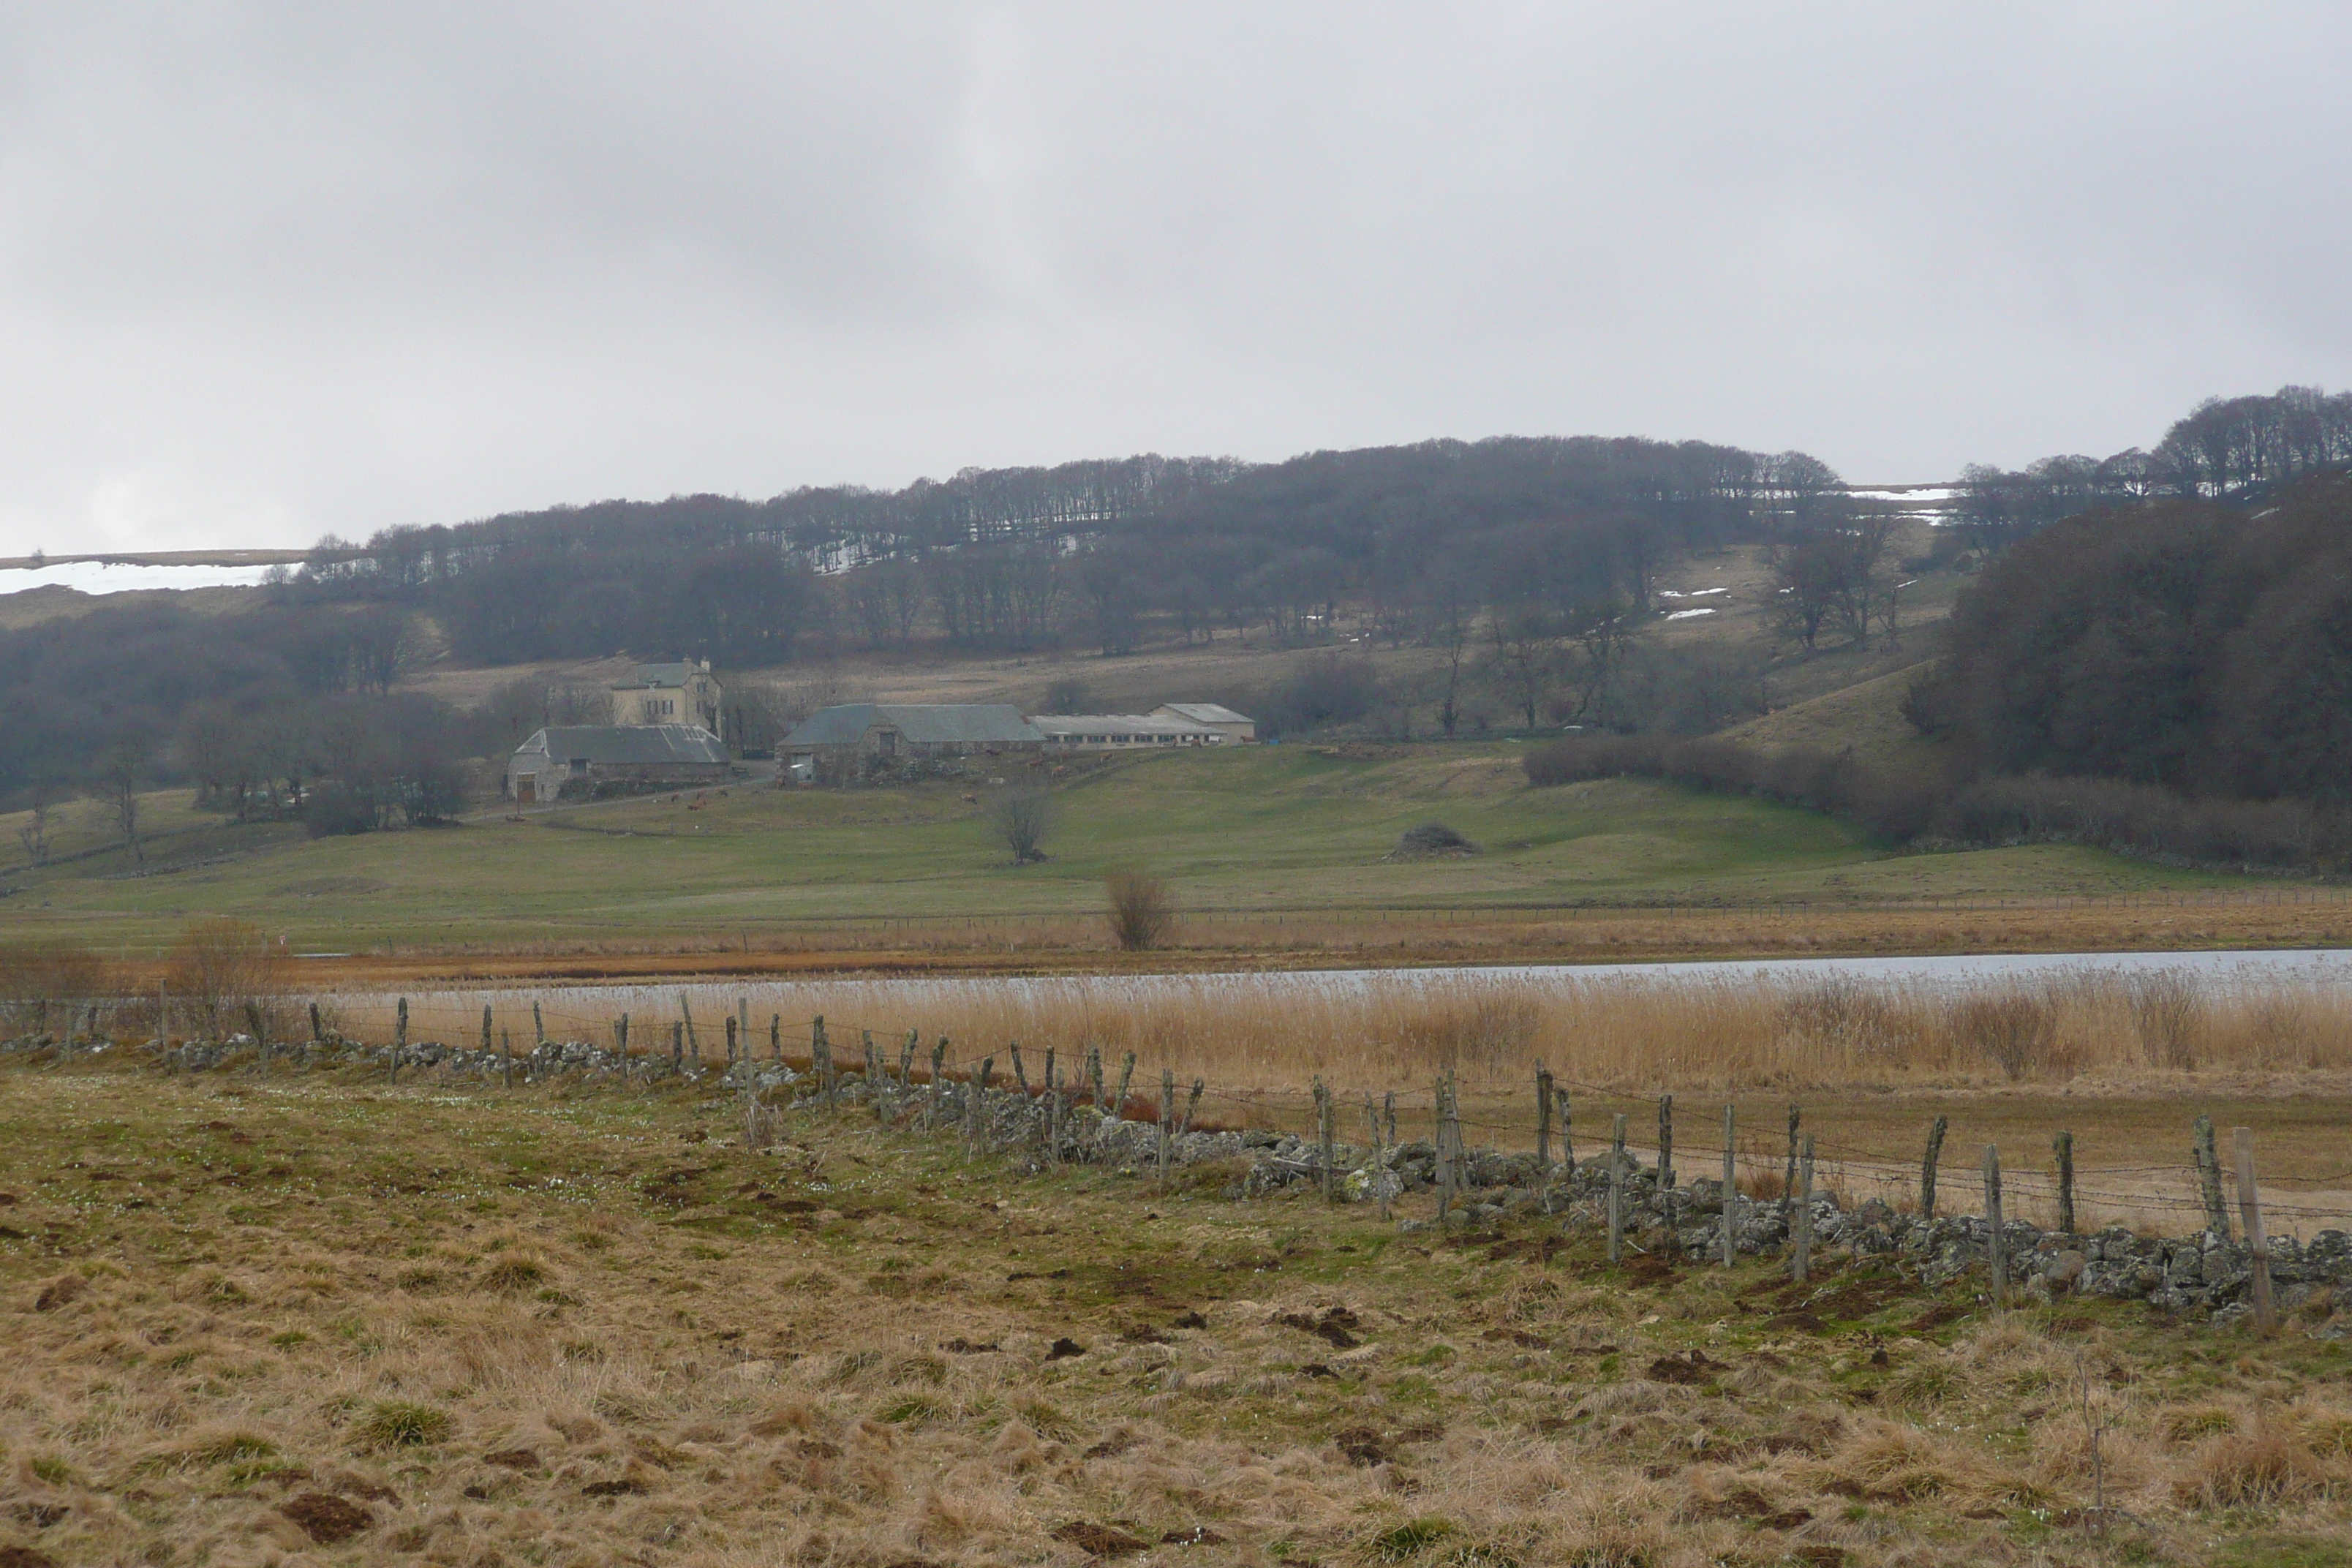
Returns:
<point x="284" y="1315"/>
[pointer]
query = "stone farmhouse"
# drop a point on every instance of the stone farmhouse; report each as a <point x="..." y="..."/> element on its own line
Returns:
<point x="659" y="756"/>
<point x="679" y="692"/>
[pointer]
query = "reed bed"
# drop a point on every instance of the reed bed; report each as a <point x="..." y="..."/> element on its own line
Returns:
<point x="1618" y="1033"/>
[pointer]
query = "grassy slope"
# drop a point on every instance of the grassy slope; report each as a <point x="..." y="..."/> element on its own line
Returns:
<point x="1287" y="827"/>
<point x="683" y="1353"/>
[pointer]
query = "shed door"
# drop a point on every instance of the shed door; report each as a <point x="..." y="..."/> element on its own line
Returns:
<point x="526" y="789"/>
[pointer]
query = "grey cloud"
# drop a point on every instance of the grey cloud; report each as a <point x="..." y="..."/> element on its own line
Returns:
<point x="269" y="270"/>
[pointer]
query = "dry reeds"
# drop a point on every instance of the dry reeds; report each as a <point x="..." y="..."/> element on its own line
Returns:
<point x="1618" y="1031"/>
<point x="221" y="968"/>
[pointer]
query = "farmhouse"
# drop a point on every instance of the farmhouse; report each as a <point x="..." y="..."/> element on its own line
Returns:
<point x="679" y="692"/>
<point x="860" y="730"/>
<point x="587" y="755"/>
<point x="1234" y="727"/>
<point x="1107" y="732"/>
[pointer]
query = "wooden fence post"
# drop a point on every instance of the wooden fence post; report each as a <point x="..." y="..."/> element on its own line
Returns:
<point x="1927" y="1169"/>
<point x="1617" y="1192"/>
<point x="2062" y="1146"/>
<point x="1997" y="1246"/>
<point x="907" y="1060"/>
<point x="1674" y="1244"/>
<point x="1567" y="1141"/>
<point x="621" y="1037"/>
<point x="820" y="1060"/>
<point x="873" y="1073"/>
<point x="1126" y="1076"/>
<point x="1543" y="1119"/>
<point x="1788" y="1175"/>
<point x="538" y="1026"/>
<point x="743" y="1024"/>
<point x="253" y="1017"/>
<point x="938" y="1074"/>
<point x="2208" y="1177"/>
<point x="506" y="1050"/>
<point x="486" y="1028"/>
<point x="677" y="1048"/>
<point x="693" y="1040"/>
<point x="1192" y="1105"/>
<point x="1020" y="1078"/>
<point x="1444" y="1155"/>
<point x="399" y="1037"/>
<point x="732" y="1040"/>
<point x="1167" y="1118"/>
<point x="1730" y="1192"/>
<point x="1800" y="1226"/>
<point x="2250" y="1211"/>
<point x="1388" y="1105"/>
<point x="317" y="1034"/>
<point x="776" y="1038"/>
<point x="1053" y="1113"/>
<point x="971" y="1092"/>
<point x="1095" y="1076"/>
<point x="1323" y="1138"/>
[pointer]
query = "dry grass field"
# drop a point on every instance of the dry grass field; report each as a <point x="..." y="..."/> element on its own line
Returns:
<point x="313" y="1319"/>
<point x="2122" y="1063"/>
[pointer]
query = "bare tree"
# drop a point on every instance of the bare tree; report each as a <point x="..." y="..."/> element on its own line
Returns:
<point x="1142" y="909"/>
<point x="121" y="769"/>
<point x="1452" y="615"/>
<point x="1020" y="817"/>
<point x="34" y="835"/>
<point x="1526" y="648"/>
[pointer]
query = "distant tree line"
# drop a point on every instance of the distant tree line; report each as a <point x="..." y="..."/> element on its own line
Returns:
<point x="1108" y="553"/>
<point x="2224" y="448"/>
<point x="2182" y="643"/>
<point x="252" y="710"/>
<point x="2172" y="678"/>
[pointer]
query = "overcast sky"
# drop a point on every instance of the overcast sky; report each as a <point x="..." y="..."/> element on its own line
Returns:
<point x="271" y="271"/>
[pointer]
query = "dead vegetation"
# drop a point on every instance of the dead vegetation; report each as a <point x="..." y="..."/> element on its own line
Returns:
<point x="461" y="1327"/>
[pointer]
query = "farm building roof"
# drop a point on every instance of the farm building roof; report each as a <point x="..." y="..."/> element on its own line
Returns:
<point x="1068" y="726"/>
<point x="670" y="673"/>
<point x="919" y="724"/>
<point x="1206" y="712"/>
<point x="629" y="745"/>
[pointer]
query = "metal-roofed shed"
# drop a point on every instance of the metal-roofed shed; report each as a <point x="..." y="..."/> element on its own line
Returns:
<point x="585" y="755"/>
<point x="911" y="729"/>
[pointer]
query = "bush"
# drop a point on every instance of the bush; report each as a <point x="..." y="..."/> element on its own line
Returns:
<point x="1142" y="909"/>
<point x="400" y="1424"/>
<point x="1433" y="839"/>
<point x="220" y="968"/>
<point x="1320" y="692"/>
<point x="1019" y="817"/>
<point x="43" y="980"/>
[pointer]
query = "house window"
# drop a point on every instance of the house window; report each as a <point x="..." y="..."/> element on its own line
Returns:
<point x="888" y="741"/>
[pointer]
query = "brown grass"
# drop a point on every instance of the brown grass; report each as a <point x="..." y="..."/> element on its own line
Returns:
<point x="1624" y="1032"/>
<point x="670" y="1381"/>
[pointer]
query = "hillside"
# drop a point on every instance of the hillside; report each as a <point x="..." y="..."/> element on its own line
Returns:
<point x="1297" y="829"/>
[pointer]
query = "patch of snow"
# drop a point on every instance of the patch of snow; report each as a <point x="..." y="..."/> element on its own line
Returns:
<point x="100" y="577"/>
<point x="1686" y="615"/>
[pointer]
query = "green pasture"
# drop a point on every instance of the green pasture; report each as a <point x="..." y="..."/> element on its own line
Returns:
<point x="1289" y="828"/>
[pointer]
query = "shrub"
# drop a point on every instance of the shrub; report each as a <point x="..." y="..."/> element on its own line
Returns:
<point x="1433" y="839"/>
<point x="400" y="1424"/>
<point x="42" y="981"/>
<point x="222" y="968"/>
<point x="1142" y="909"/>
<point x="1317" y="694"/>
<point x="2015" y="1030"/>
<point x="1019" y="817"/>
